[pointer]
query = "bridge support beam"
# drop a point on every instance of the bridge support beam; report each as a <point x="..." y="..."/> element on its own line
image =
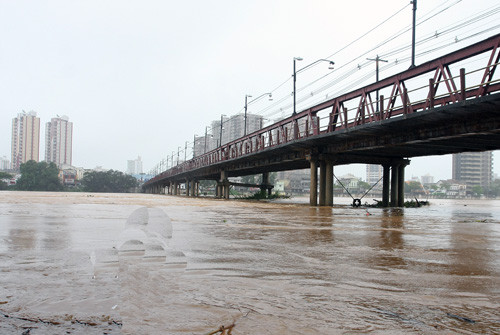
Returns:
<point x="313" y="189"/>
<point x="188" y="187"/>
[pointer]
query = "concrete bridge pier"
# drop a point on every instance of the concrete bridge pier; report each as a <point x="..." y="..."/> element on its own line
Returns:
<point x="265" y="183"/>
<point x="176" y="188"/>
<point x="325" y="183"/>
<point x="394" y="185"/>
<point x="188" y="187"/>
<point x="401" y="185"/>
<point x="223" y="185"/>
<point x="329" y="183"/>
<point x="193" y="188"/>
<point x="385" y="185"/>
<point x="322" y="183"/>
<point x="313" y="189"/>
<point x="397" y="185"/>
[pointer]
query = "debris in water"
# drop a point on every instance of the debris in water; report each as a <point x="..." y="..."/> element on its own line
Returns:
<point x="223" y="330"/>
<point x="461" y="318"/>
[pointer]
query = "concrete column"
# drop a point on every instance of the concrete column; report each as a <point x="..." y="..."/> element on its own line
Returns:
<point x="176" y="188"/>
<point x="193" y="183"/>
<point x="265" y="182"/>
<point x="188" y="187"/>
<point x="322" y="183"/>
<point x="394" y="185"/>
<point x="385" y="186"/>
<point x="329" y="183"/>
<point x="313" y="190"/>
<point x="224" y="185"/>
<point x="401" y="185"/>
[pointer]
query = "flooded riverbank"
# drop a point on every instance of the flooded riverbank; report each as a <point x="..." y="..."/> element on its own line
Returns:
<point x="152" y="264"/>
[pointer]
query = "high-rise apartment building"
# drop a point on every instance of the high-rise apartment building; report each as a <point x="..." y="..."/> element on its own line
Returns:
<point x="59" y="141"/>
<point x="232" y="129"/>
<point x="473" y="168"/>
<point x="25" y="143"/>
<point x="134" y="166"/>
<point x="235" y="126"/>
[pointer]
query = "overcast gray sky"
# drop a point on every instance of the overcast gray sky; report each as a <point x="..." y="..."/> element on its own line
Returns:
<point x="140" y="78"/>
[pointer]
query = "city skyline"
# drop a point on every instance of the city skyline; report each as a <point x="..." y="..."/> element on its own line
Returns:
<point x="145" y="85"/>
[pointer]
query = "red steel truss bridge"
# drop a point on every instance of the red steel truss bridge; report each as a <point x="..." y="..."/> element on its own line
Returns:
<point x="447" y="105"/>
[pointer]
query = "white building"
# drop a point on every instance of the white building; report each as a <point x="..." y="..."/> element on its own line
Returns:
<point x="134" y="166"/>
<point x="427" y="179"/>
<point x="4" y="163"/>
<point x="374" y="173"/>
<point x="59" y="141"/>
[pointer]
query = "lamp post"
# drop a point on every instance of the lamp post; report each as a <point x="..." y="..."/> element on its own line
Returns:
<point x="185" y="151"/>
<point x="414" y="2"/>
<point x="194" y="146"/>
<point x="221" y="128"/>
<point x="245" y="129"/>
<point x="178" y="151"/>
<point x="377" y="59"/>
<point x="249" y="102"/>
<point x="294" y="81"/>
<point x="206" y="129"/>
<point x="305" y="67"/>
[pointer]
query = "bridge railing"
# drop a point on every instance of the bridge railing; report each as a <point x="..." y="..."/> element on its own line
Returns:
<point x="358" y="107"/>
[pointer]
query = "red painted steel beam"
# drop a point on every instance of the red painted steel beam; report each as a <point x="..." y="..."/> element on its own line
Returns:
<point x="454" y="57"/>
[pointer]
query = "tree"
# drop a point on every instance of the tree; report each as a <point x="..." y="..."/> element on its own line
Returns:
<point x="41" y="176"/>
<point x="364" y="185"/>
<point x="109" y="181"/>
<point x="4" y="175"/>
<point x="477" y="190"/>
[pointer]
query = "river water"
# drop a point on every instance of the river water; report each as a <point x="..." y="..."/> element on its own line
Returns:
<point x="84" y="263"/>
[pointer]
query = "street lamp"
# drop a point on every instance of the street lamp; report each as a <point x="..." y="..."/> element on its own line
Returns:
<point x="377" y="59"/>
<point x="206" y="129"/>
<point x="221" y="128"/>
<point x="194" y="146"/>
<point x="305" y="67"/>
<point x="249" y="102"/>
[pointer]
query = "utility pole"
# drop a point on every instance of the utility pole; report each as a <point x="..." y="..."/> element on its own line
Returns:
<point x="377" y="59"/>
<point x="185" y="151"/>
<point x="414" y="2"/>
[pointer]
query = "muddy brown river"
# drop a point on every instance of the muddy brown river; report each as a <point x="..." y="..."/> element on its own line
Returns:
<point x="79" y="263"/>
